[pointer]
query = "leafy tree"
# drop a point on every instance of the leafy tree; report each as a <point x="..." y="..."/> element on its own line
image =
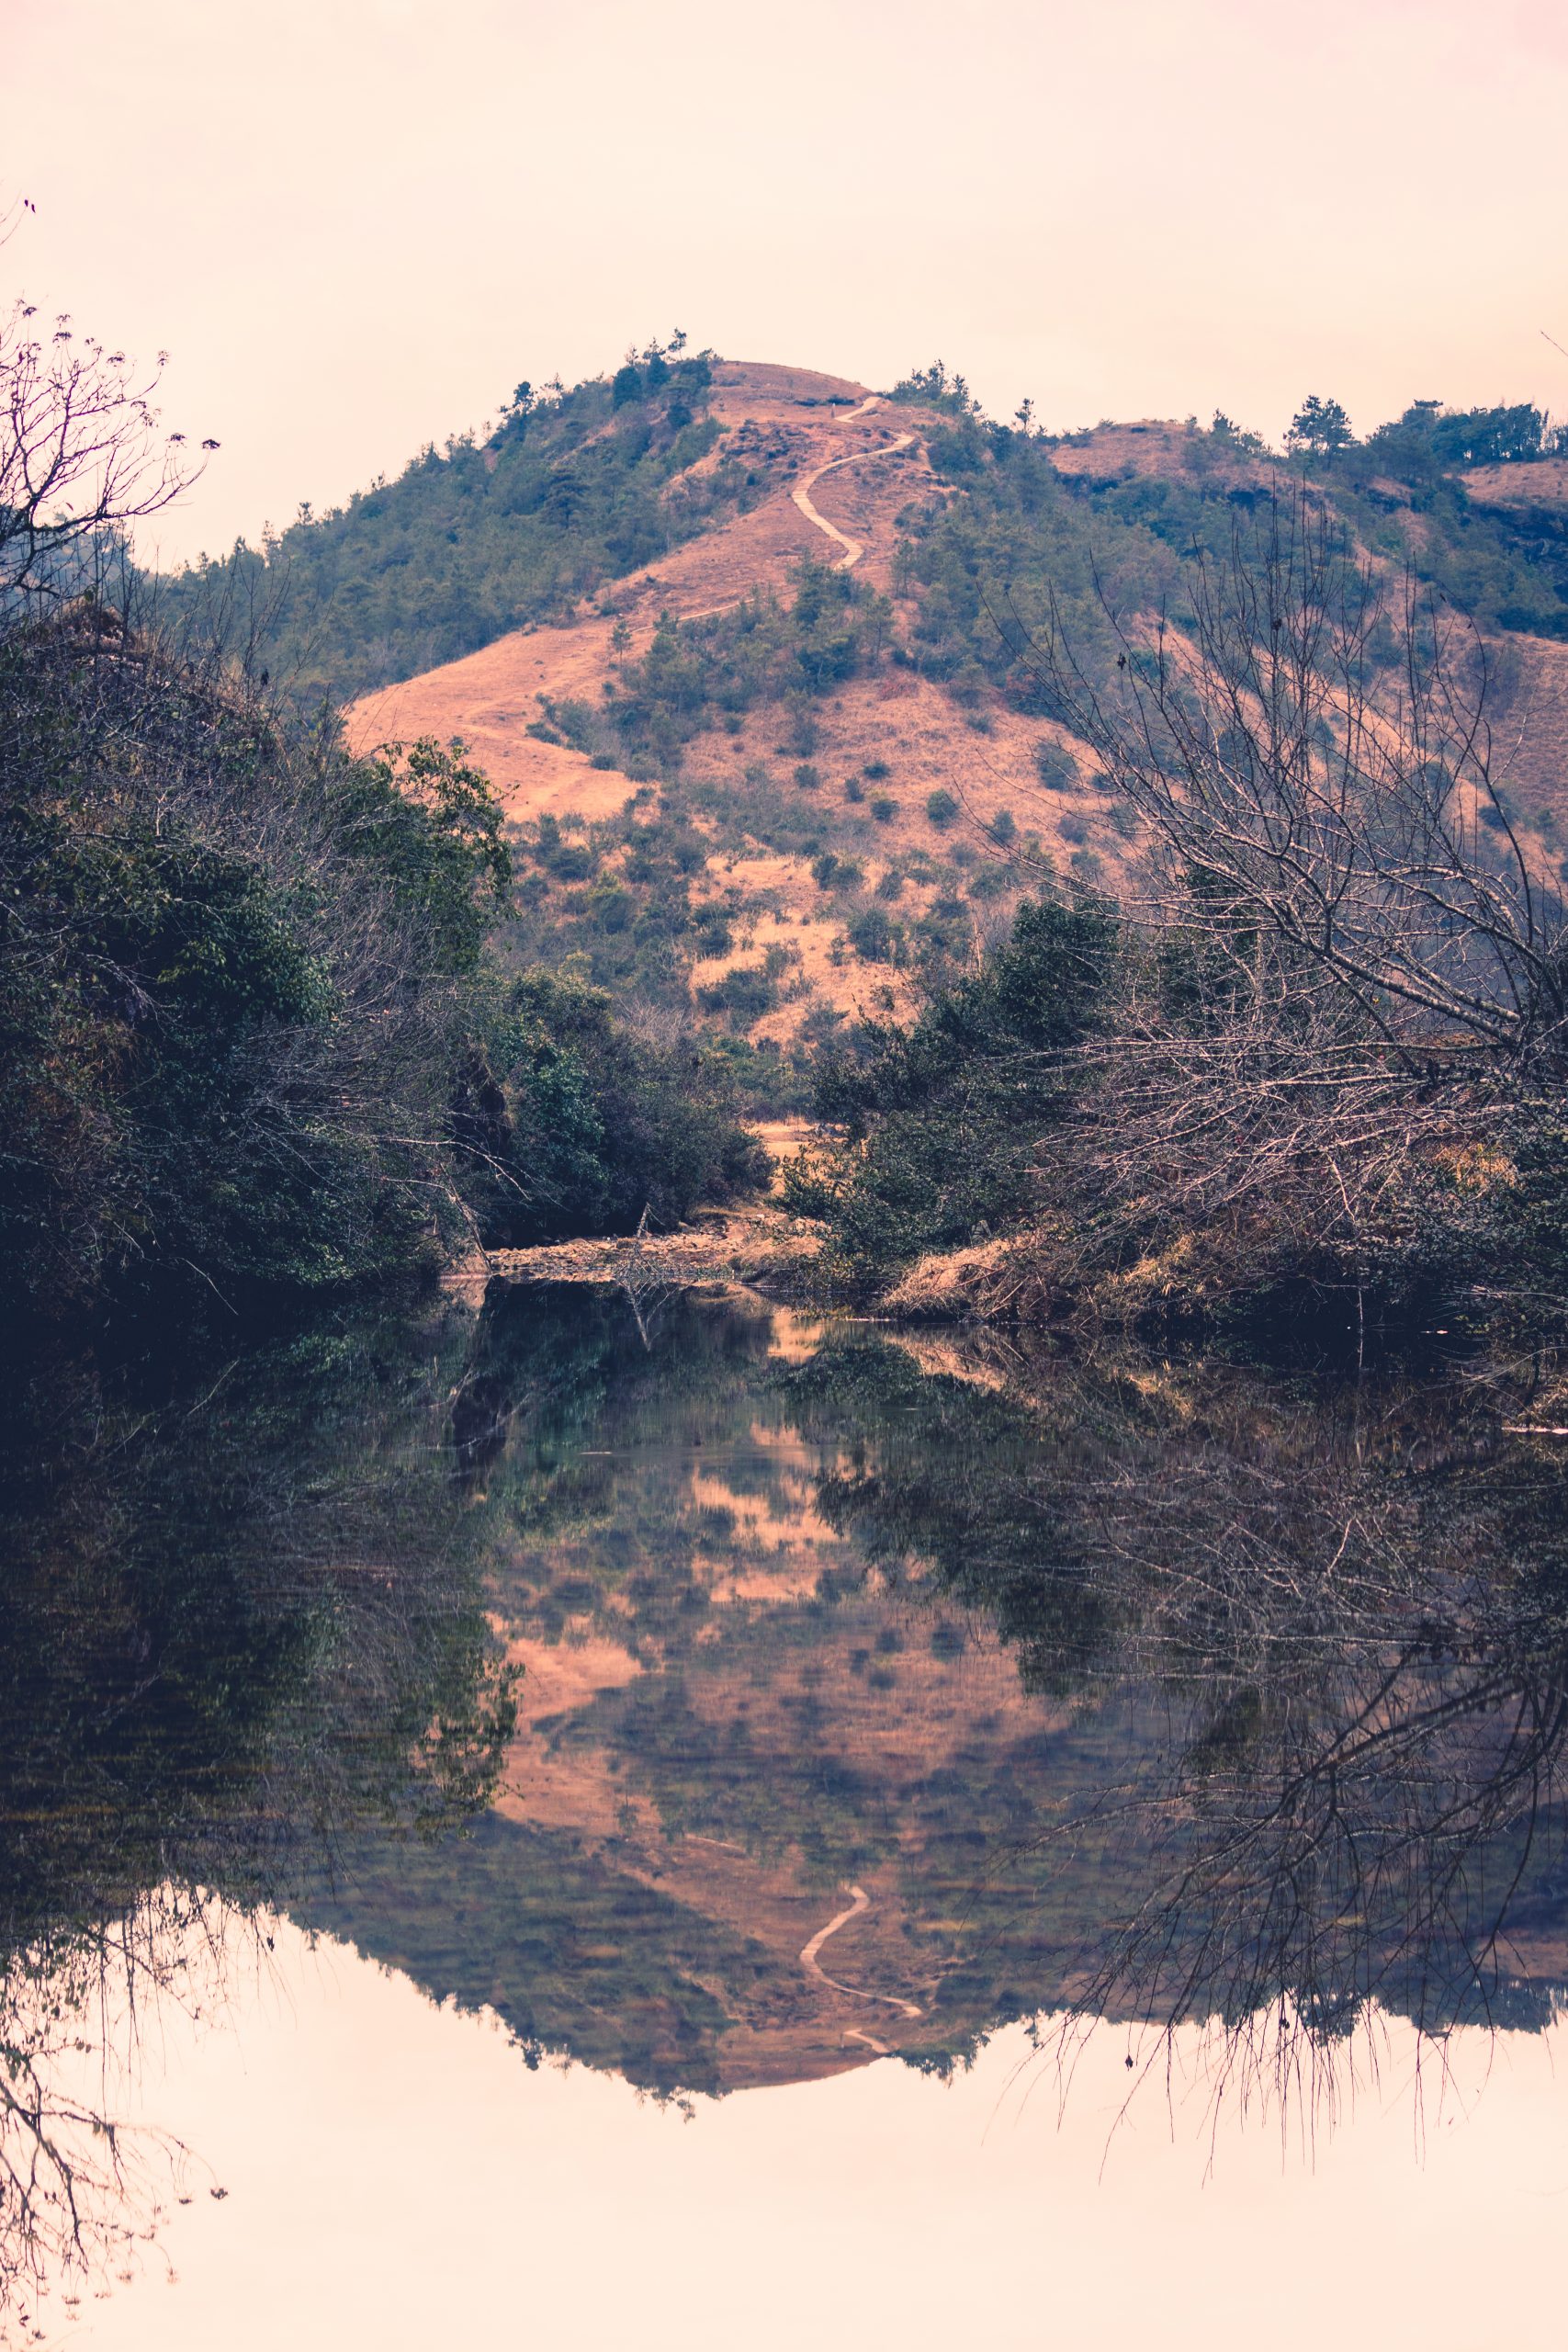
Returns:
<point x="1321" y="427"/>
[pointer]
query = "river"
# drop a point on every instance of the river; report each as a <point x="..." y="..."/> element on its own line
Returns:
<point x="674" y="1821"/>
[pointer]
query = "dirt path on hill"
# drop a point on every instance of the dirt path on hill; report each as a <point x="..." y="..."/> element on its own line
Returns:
<point x="860" y="1901"/>
<point x="801" y="494"/>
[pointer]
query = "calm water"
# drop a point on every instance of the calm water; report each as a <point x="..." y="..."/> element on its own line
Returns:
<point x="690" y="1824"/>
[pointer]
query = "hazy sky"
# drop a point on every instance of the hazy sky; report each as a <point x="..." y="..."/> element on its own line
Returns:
<point x="354" y="225"/>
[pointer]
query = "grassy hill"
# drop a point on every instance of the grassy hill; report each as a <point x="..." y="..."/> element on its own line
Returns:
<point x="745" y="650"/>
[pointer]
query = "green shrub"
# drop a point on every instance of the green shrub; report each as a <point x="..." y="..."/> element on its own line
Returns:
<point x="747" y="991"/>
<point x="575" y="1126"/>
<point x="873" y="936"/>
<point x="946" y="1118"/>
<point x="884" y="809"/>
<point x="1057" y="769"/>
<point x="940" y="807"/>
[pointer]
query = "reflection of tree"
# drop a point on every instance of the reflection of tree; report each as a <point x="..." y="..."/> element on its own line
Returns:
<point x="242" y="1616"/>
<point x="1338" y="1619"/>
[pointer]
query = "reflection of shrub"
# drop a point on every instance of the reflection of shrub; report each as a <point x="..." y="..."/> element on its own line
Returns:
<point x="940" y="807"/>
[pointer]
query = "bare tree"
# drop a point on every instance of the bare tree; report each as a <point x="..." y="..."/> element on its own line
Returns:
<point x="1345" y="963"/>
<point x="83" y="454"/>
<point x="1313" y="760"/>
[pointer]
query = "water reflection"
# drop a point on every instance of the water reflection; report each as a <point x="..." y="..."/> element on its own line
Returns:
<point x="874" y="1694"/>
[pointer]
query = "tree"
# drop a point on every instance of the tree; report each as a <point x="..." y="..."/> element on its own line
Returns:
<point x="82" y="455"/>
<point x="1320" y="427"/>
<point x="1354" y="975"/>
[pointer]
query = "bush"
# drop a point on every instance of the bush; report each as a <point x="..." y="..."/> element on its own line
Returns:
<point x="884" y="809"/>
<point x="1057" y="769"/>
<point x="575" y="1126"/>
<point x="940" y="807"/>
<point x="747" y="991"/>
<point x="876" y="771"/>
<point x="945" y="1119"/>
<point x="873" y="936"/>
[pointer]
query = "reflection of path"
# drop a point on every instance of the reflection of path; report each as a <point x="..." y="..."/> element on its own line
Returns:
<point x="808" y="1960"/>
<point x="802" y="491"/>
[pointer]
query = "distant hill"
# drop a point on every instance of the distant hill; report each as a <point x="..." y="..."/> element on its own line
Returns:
<point x="744" y="647"/>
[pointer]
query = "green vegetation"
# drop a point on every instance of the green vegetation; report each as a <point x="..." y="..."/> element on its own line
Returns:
<point x="569" y="491"/>
<point x="696" y="673"/>
<point x="255" y="1041"/>
<point x="236" y="976"/>
<point x="570" y="1123"/>
<point x="946" y="1119"/>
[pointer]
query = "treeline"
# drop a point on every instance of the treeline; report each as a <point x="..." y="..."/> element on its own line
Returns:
<point x="1025" y="540"/>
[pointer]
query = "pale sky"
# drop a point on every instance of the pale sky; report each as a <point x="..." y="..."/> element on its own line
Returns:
<point x="354" y="225"/>
<point x="397" y="2178"/>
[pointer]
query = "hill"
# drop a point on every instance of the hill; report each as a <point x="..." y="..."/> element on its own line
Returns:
<point x="745" y="649"/>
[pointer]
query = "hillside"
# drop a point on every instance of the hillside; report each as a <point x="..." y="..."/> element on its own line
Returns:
<point x="745" y="649"/>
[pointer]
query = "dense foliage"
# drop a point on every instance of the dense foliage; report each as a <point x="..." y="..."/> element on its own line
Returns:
<point x="248" y="1025"/>
<point x="945" y="1119"/>
<point x="234" y="981"/>
<point x="570" y="1124"/>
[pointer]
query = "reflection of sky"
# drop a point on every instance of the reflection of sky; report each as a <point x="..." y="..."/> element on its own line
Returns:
<point x="396" y="2179"/>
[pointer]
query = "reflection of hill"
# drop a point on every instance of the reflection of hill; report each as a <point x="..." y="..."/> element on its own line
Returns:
<point x="778" y="1606"/>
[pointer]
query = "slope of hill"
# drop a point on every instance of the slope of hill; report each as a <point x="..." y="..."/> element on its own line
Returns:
<point x="494" y="532"/>
<point x="745" y="649"/>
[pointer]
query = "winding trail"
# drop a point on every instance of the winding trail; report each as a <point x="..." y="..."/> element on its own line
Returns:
<point x="801" y="494"/>
<point x="860" y="1901"/>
